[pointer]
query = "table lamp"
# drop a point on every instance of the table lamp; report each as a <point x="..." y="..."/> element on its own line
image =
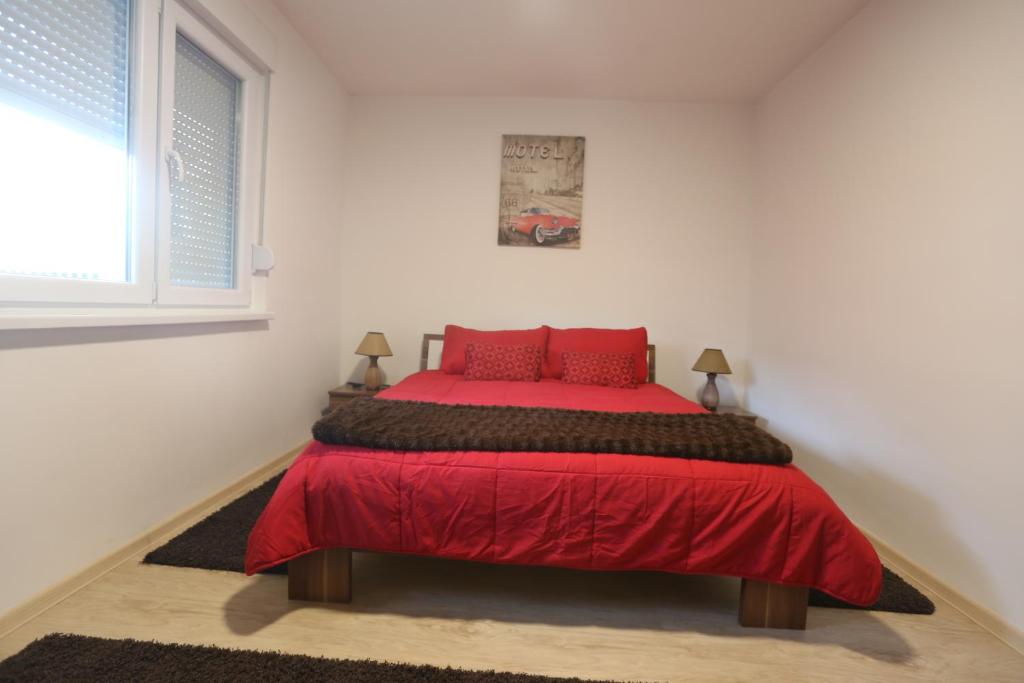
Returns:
<point x="373" y="345"/>
<point x="711" y="361"/>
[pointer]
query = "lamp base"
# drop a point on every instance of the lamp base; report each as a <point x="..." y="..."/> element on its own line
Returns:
<point x="372" y="380"/>
<point x="709" y="397"/>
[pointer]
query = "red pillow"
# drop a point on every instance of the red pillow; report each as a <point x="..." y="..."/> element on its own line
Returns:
<point x="593" y="340"/>
<point x="603" y="369"/>
<point x="508" y="362"/>
<point x="453" y="353"/>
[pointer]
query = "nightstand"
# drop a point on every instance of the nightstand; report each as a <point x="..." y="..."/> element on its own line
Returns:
<point x="737" y="411"/>
<point x="347" y="392"/>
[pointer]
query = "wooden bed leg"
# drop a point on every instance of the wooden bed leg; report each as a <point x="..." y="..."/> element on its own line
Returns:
<point x="772" y="605"/>
<point x="321" y="576"/>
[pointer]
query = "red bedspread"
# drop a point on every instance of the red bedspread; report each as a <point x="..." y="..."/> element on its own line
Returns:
<point x="579" y="510"/>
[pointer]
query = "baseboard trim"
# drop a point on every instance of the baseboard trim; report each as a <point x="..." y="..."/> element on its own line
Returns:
<point x="983" y="616"/>
<point x="38" y="604"/>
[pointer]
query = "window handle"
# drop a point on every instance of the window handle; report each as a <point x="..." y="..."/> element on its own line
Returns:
<point x="175" y="165"/>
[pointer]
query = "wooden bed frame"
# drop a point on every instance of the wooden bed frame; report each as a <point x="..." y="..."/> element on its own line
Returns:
<point x="326" y="575"/>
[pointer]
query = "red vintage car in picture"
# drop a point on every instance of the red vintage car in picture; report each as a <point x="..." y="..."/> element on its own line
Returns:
<point x="544" y="227"/>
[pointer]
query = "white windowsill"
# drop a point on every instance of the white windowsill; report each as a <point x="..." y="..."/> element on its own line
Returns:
<point x="37" y="320"/>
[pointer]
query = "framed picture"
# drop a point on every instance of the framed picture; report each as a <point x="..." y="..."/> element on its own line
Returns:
<point x="541" y="202"/>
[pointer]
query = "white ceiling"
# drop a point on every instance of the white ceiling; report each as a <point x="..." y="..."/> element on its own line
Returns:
<point x="698" y="50"/>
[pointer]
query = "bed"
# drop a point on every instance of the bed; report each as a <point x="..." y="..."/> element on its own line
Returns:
<point x="769" y="525"/>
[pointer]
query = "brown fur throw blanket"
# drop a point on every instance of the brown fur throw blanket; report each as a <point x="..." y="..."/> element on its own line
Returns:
<point x="417" y="426"/>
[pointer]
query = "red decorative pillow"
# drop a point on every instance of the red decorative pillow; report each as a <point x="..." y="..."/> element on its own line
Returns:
<point x="603" y="369"/>
<point x="453" y="354"/>
<point x="508" y="362"/>
<point x="596" y="340"/>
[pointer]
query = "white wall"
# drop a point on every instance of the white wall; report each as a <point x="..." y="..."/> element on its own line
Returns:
<point x="106" y="432"/>
<point x="888" y="318"/>
<point x="666" y="227"/>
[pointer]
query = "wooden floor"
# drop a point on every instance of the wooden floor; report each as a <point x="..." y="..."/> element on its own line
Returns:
<point x="547" y="621"/>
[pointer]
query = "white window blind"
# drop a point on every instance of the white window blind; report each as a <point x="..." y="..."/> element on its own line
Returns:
<point x="204" y="189"/>
<point x="64" y="185"/>
<point x="69" y="57"/>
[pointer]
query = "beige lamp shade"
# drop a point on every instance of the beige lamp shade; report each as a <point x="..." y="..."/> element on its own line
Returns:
<point x="374" y="344"/>
<point x="712" y="360"/>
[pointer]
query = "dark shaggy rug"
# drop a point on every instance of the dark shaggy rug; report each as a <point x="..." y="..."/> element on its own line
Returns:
<point x="61" y="657"/>
<point x="218" y="542"/>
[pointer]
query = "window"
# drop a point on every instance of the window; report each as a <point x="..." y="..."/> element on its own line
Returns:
<point x="67" y="230"/>
<point x="132" y="150"/>
<point x="203" y="200"/>
<point x="211" y="134"/>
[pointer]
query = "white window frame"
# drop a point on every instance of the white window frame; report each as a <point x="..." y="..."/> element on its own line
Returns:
<point x="144" y="39"/>
<point x="178" y="18"/>
<point x="148" y="297"/>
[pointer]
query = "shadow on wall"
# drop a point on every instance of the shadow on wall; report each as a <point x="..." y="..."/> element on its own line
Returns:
<point x="68" y="336"/>
<point x="423" y="587"/>
<point x="851" y="473"/>
<point x="357" y="372"/>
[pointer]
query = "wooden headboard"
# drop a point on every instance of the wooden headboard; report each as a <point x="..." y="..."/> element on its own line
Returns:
<point x="427" y="338"/>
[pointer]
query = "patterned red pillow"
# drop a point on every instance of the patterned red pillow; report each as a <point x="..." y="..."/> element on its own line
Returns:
<point x="509" y="362"/>
<point x="604" y="369"/>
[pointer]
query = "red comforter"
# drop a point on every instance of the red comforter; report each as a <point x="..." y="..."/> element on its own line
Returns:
<point x="580" y="510"/>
